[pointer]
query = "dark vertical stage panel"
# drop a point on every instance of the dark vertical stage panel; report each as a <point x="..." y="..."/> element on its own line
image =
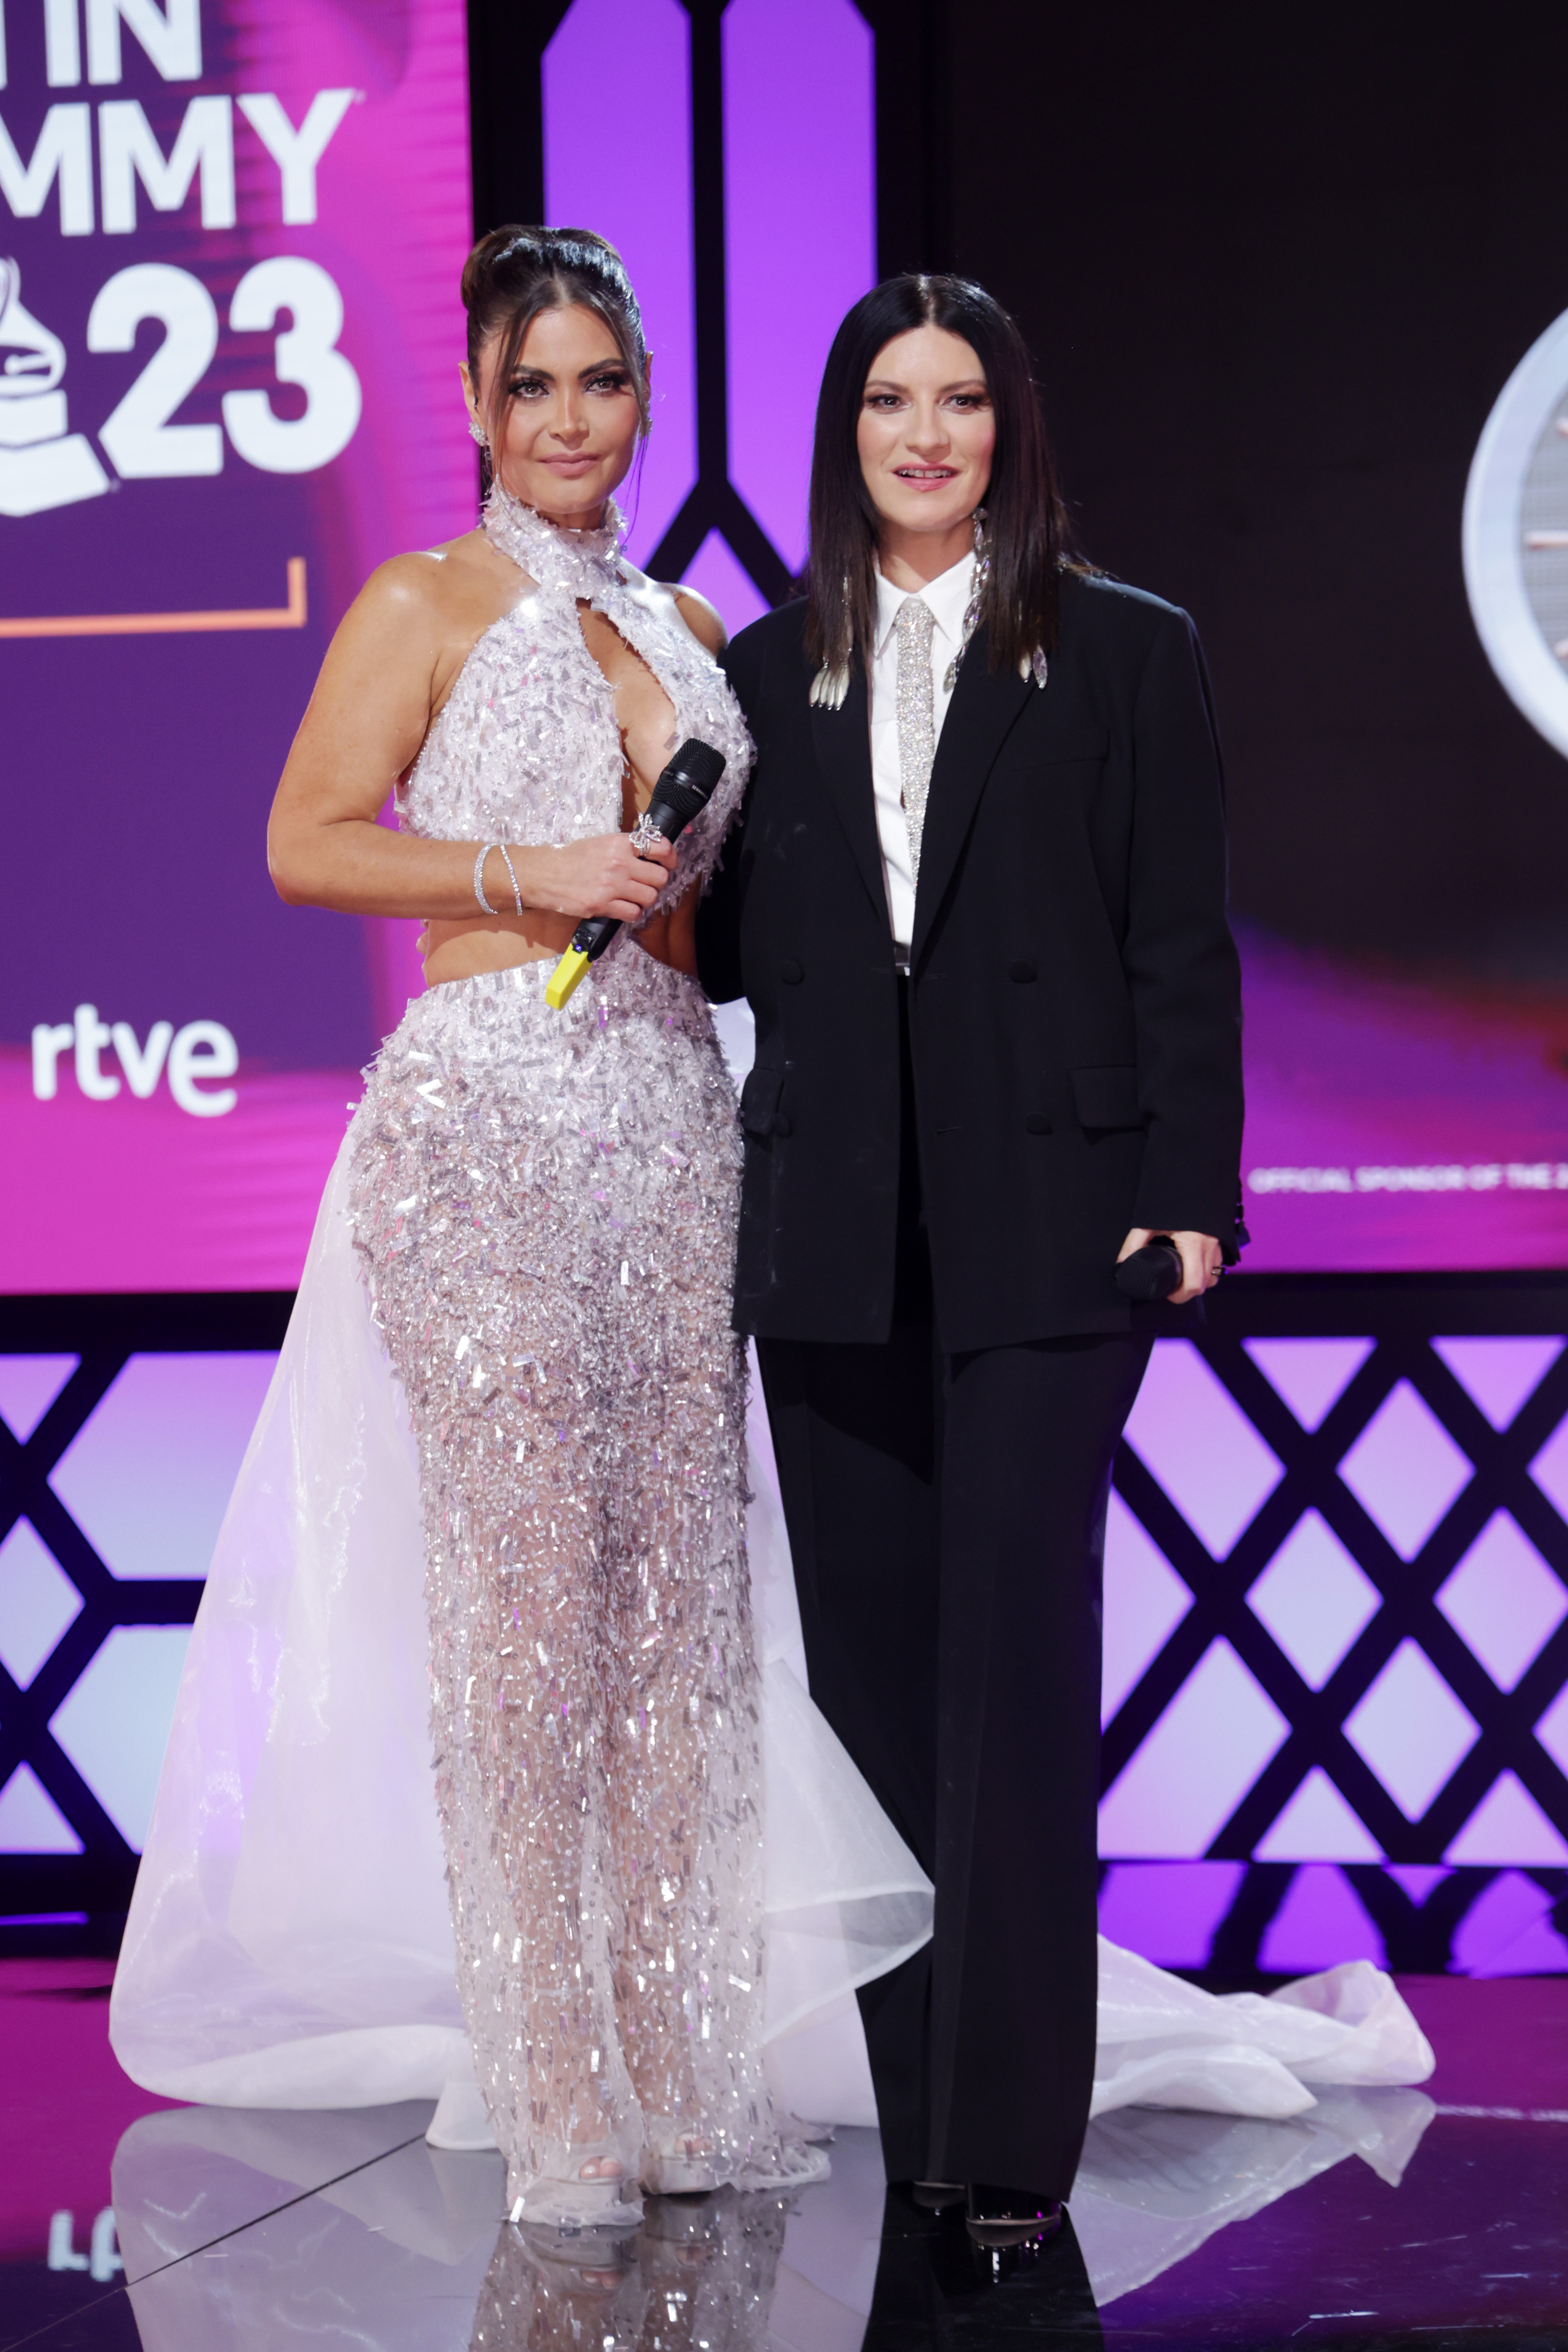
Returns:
<point x="1276" y="269"/>
<point x="914" y="204"/>
<point x="1276" y="272"/>
<point x="507" y="39"/>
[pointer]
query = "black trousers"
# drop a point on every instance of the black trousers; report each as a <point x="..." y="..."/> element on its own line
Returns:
<point x="947" y="1520"/>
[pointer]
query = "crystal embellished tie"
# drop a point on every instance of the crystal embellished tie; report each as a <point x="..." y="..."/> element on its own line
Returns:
<point x="916" y="719"/>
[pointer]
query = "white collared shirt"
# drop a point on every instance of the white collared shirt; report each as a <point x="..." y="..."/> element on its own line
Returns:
<point x="949" y="597"/>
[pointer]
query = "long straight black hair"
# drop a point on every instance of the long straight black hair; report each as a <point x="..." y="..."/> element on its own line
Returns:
<point x="1026" y="530"/>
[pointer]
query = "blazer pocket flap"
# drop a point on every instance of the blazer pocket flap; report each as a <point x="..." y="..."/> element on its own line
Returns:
<point x="1079" y="746"/>
<point x="1107" y="1098"/>
<point x="759" y="1100"/>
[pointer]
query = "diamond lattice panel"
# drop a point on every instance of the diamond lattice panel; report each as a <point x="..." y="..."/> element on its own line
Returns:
<point x="1553" y="1731"/>
<point x="1504" y="1602"/>
<point x="1312" y="1375"/>
<point x="148" y="1478"/>
<point x="1200" y="1445"/>
<point x="114" y="1727"/>
<point x="1314" y="1600"/>
<point x="38" y="1601"/>
<point x="1417" y="1879"/>
<point x="1317" y="1825"/>
<point x="30" y="1820"/>
<point x="1144" y="1601"/>
<point x="1550" y="1469"/>
<point x="1508" y="1826"/>
<point x="1499" y="1374"/>
<point x="1196" y="1764"/>
<point x="1411" y="1729"/>
<point x="29" y="1386"/>
<point x="1405" y="1470"/>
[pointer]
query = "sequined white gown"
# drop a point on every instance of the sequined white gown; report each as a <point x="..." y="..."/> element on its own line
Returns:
<point x="544" y="1204"/>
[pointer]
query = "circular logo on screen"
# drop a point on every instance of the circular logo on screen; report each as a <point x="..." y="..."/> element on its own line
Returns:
<point x="1516" y="535"/>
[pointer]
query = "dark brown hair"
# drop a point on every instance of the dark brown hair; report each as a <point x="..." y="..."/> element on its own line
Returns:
<point x="1027" y="530"/>
<point x="515" y="273"/>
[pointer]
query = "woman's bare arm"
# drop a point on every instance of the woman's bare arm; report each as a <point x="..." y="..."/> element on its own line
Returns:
<point x="386" y="671"/>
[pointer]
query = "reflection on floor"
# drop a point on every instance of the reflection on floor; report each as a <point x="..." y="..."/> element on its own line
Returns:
<point x="1380" y="2219"/>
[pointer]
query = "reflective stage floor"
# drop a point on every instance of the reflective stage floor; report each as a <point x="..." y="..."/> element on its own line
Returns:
<point x="1436" y="2217"/>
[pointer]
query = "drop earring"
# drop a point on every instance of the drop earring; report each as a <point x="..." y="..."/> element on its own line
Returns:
<point x="831" y="686"/>
<point x="479" y="433"/>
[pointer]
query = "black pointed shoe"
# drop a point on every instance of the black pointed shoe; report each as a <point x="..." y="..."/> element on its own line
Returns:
<point x="937" y="2196"/>
<point x="999" y="2218"/>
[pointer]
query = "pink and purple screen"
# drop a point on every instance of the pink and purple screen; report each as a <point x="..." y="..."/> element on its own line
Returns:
<point x="230" y="238"/>
<point x="229" y="335"/>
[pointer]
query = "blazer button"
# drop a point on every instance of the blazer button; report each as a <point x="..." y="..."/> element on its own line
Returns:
<point x="1021" y="972"/>
<point x="790" y="971"/>
<point x="1037" y="1123"/>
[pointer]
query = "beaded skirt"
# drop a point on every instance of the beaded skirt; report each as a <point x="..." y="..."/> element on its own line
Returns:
<point x="545" y="1205"/>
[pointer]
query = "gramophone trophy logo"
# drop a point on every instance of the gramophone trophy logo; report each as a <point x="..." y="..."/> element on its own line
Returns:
<point x="42" y="463"/>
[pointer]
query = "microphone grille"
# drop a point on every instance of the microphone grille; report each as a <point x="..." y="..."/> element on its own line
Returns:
<point x="696" y="765"/>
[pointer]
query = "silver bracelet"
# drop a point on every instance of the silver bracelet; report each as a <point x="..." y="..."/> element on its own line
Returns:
<point x="512" y="872"/>
<point x="484" y="849"/>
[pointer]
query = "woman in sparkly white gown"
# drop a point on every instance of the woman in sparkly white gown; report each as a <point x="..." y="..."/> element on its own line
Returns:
<point x="544" y="1205"/>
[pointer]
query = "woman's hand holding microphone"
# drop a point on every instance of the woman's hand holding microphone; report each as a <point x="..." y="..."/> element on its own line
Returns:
<point x="1202" y="1260"/>
<point x="602" y="875"/>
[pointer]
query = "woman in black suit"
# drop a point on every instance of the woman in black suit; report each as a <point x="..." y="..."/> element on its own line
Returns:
<point x="977" y="901"/>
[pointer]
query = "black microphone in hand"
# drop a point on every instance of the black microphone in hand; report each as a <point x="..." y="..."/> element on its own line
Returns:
<point x="1152" y="1272"/>
<point x="682" y="793"/>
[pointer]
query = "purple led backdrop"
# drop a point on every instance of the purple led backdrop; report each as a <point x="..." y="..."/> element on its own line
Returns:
<point x="800" y="148"/>
<point x="147" y="1477"/>
<point x="638" y="194"/>
<point x="231" y="336"/>
<point x="800" y="219"/>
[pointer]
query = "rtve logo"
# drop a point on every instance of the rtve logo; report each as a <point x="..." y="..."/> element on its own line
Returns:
<point x="201" y="1050"/>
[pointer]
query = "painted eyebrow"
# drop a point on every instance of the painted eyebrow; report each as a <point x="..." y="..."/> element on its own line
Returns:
<point x="962" y="383"/>
<point x="599" y="367"/>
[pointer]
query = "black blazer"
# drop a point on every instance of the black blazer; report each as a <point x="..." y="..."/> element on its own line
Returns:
<point x="1076" y="1016"/>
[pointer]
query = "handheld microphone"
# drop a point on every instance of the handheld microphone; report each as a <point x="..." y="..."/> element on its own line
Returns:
<point x="1152" y="1272"/>
<point x="682" y="793"/>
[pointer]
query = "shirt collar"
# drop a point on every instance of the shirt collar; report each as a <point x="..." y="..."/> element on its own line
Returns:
<point x="948" y="595"/>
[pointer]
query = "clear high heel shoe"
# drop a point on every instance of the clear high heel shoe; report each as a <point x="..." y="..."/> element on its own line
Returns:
<point x="583" y="2187"/>
<point x="678" y="2158"/>
<point x="681" y="2159"/>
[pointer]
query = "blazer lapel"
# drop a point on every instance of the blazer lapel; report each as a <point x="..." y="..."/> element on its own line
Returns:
<point x="841" y="739"/>
<point x="983" y="710"/>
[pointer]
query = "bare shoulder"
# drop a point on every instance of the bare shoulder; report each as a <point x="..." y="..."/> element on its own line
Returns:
<point x="701" y="617"/>
<point x="452" y="591"/>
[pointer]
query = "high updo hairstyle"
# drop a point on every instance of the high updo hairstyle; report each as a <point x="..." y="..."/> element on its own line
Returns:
<point x="515" y="273"/>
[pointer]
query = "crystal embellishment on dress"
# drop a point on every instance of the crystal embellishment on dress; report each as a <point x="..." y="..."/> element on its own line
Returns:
<point x="544" y="1204"/>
